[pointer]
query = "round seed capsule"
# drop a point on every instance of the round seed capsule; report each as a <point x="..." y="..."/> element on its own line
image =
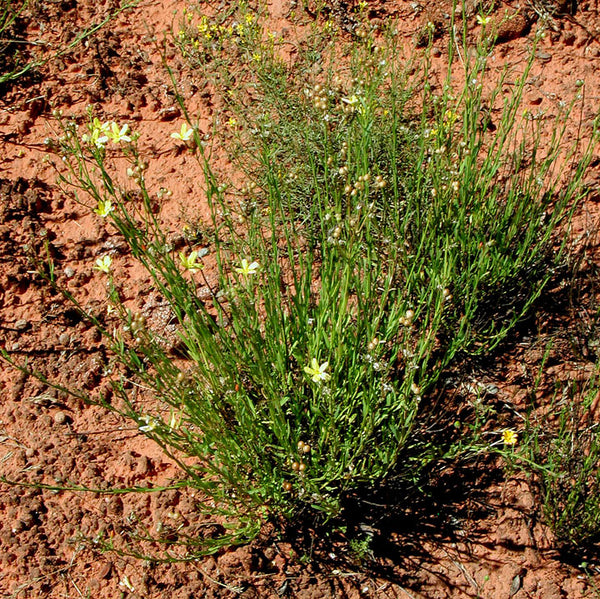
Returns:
<point x="302" y="467"/>
<point x="287" y="485"/>
<point x="306" y="449"/>
<point x="295" y="466"/>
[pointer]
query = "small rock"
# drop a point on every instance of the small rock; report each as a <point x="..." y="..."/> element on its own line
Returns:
<point x="16" y="390"/>
<point x="105" y="571"/>
<point x="169" y="114"/>
<point x="144" y="466"/>
<point x="64" y="339"/>
<point x="177" y="241"/>
<point x="60" y="418"/>
<point x="515" y="585"/>
<point x="69" y="272"/>
<point x="21" y="324"/>
<point x="436" y="52"/>
<point x="18" y="526"/>
<point x="24" y="127"/>
<point x="593" y="51"/>
<point x="115" y="507"/>
<point x="543" y="56"/>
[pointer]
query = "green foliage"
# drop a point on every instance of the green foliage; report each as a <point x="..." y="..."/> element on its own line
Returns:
<point x="565" y="454"/>
<point x="376" y="239"/>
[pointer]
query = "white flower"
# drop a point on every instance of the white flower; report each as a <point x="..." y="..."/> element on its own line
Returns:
<point x="352" y="101"/>
<point x="125" y="583"/>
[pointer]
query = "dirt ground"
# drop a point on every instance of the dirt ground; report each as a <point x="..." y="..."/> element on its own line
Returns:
<point x="476" y="535"/>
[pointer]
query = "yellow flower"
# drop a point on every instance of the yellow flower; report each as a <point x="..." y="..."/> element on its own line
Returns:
<point x="509" y="437"/>
<point x="318" y="373"/>
<point x="247" y="269"/>
<point x="150" y="423"/>
<point x="482" y="20"/>
<point x="184" y="134"/>
<point x="104" y="264"/>
<point x="117" y="135"/>
<point x="203" y="25"/>
<point x="190" y="262"/>
<point x="352" y="101"/>
<point x="104" y="208"/>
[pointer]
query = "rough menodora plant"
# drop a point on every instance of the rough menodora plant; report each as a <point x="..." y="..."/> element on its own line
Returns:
<point x="377" y="240"/>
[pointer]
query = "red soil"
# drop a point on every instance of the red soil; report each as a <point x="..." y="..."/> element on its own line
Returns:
<point x="484" y="541"/>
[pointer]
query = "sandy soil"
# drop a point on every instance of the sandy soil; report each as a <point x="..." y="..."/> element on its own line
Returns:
<point x="477" y="535"/>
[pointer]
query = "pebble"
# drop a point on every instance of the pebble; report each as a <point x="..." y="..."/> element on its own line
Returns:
<point x="436" y="52"/>
<point x="60" y="418"/>
<point x="21" y="324"/>
<point x="105" y="571"/>
<point x="64" y="339"/>
<point x="144" y="466"/>
<point x="170" y="113"/>
<point x="543" y="56"/>
<point x="593" y="51"/>
<point x="69" y="272"/>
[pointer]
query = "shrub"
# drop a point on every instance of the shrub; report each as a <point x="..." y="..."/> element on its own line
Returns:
<point x="377" y="238"/>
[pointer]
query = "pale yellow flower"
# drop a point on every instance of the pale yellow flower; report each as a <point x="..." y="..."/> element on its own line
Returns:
<point x="150" y="423"/>
<point x="246" y="268"/>
<point x="104" y="264"/>
<point x="509" y="437"/>
<point x="118" y="135"/>
<point x="190" y="262"/>
<point x="104" y="208"/>
<point x="318" y="373"/>
<point x="184" y="134"/>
